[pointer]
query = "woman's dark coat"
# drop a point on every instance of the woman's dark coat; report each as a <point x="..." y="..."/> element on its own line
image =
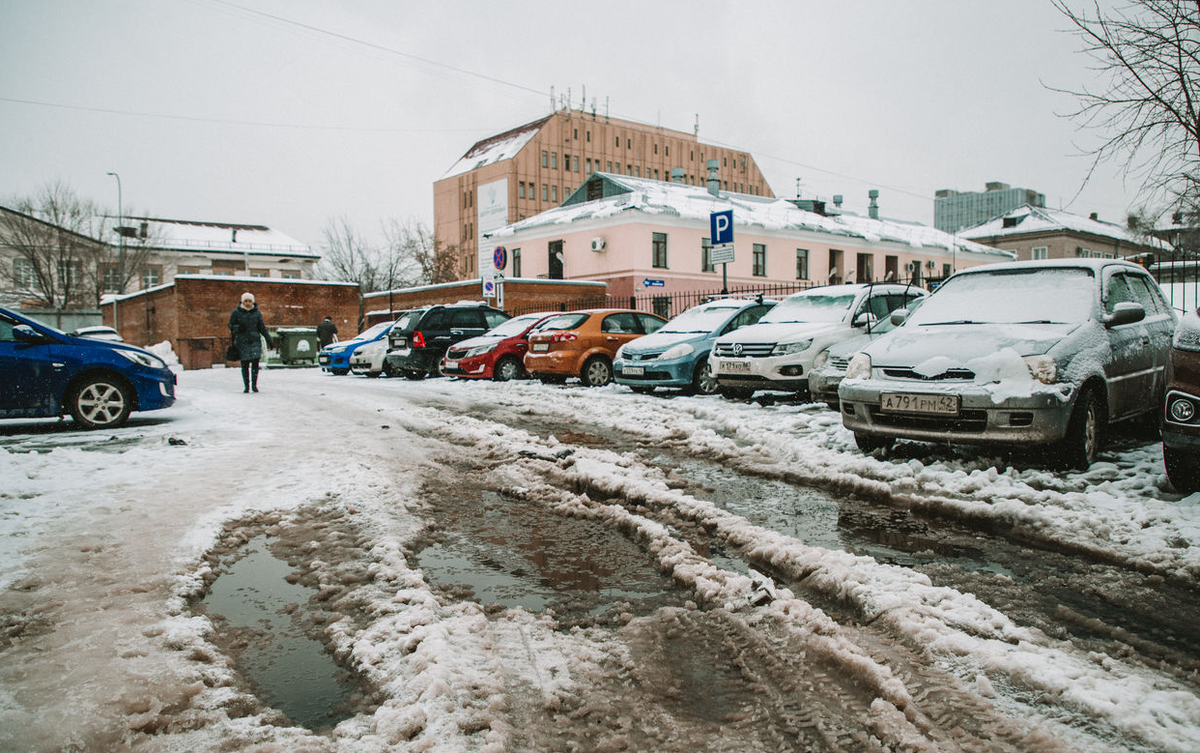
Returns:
<point x="245" y="325"/>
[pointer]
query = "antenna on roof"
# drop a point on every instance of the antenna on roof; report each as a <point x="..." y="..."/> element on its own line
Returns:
<point x="696" y="131"/>
<point x="606" y="108"/>
<point x="553" y="105"/>
<point x="583" y="97"/>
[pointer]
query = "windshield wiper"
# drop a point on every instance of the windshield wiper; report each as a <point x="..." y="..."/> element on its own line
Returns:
<point x="1038" y="321"/>
<point x="956" y="321"/>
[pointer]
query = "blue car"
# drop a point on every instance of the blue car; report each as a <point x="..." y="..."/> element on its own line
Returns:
<point x="46" y="373"/>
<point x="677" y="354"/>
<point x="335" y="357"/>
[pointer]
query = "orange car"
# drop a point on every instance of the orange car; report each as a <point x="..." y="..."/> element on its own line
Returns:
<point x="582" y="343"/>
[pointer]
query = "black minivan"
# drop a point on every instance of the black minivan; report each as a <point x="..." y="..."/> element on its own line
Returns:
<point x="417" y="342"/>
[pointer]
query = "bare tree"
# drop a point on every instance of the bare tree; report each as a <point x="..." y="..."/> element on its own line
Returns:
<point x="414" y="244"/>
<point x="407" y="257"/>
<point x="125" y="257"/>
<point x="1148" y="110"/>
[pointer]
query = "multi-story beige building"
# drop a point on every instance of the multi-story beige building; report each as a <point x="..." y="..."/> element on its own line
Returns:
<point x="519" y="173"/>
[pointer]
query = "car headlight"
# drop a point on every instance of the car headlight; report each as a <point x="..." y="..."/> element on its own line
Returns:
<point x="677" y="351"/>
<point x="144" y="359"/>
<point x="859" y="367"/>
<point x="372" y="350"/>
<point x="1042" y="368"/>
<point x="821" y="358"/>
<point x="480" y="350"/>
<point x="784" y="349"/>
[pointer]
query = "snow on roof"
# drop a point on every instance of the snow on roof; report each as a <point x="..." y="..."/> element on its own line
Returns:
<point x="225" y="237"/>
<point x="770" y="214"/>
<point x="1031" y="219"/>
<point x="496" y="148"/>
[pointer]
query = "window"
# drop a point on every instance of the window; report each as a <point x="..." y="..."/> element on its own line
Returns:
<point x="628" y="143"/>
<point x="589" y="165"/>
<point x="111" y="280"/>
<point x="288" y="274"/>
<point x="609" y="168"/>
<point x="553" y="160"/>
<point x="575" y="163"/>
<point x="667" y="150"/>
<point x="760" y="260"/>
<point x="706" y="262"/>
<point x="656" y="148"/>
<point x="566" y="161"/>
<point x="588" y="134"/>
<point x="151" y="276"/>
<point x="253" y="273"/>
<point x="545" y="158"/>
<point x="521" y="190"/>
<point x="69" y="272"/>
<point x="802" y="264"/>
<point x="516" y="261"/>
<point x="545" y="192"/>
<point x="575" y="133"/>
<point x="629" y="169"/>
<point x="618" y="144"/>
<point x="24" y="274"/>
<point x="554" y="193"/>
<point x="658" y="244"/>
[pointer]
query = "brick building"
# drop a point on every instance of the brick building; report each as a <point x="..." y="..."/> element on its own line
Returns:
<point x="529" y="169"/>
<point x="192" y="313"/>
<point x="1033" y="232"/>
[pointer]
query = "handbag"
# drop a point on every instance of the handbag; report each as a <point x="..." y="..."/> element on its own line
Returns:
<point x="231" y="353"/>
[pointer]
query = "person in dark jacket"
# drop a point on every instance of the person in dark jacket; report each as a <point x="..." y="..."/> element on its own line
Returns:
<point x="245" y="326"/>
<point x="327" y="332"/>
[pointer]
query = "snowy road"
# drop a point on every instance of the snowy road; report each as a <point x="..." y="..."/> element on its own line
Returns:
<point x="527" y="567"/>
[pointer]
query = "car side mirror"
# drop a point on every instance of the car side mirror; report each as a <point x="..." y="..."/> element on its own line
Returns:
<point x="864" y="319"/>
<point x="1125" y="312"/>
<point x="23" y="333"/>
<point x="898" y="317"/>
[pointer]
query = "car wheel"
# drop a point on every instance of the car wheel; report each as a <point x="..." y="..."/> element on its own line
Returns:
<point x="339" y="372"/>
<point x="597" y="372"/>
<point x="414" y="374"/>
<point x="100" y="403"/>
<point x="1183" y="469"/>
<point x="1079" y="447"/>
<point x="703" y="381"/>
<point x="735" y="393"/>
<point x="374" y="374"/>
<point x="869" y="443"/>
<point x="507" y="368"/>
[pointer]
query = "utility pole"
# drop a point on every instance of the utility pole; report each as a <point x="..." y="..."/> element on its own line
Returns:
<point x="120" y="239"/>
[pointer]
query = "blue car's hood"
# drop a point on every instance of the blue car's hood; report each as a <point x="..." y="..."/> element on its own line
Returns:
<point x="911" y="345"/>
<point x="660" y="341"/>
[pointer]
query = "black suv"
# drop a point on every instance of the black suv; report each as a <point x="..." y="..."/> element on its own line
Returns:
<point x="418" y="341"/>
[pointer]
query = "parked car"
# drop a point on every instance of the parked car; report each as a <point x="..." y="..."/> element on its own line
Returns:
<point x="367" y="360"/>
<point x="497" y="354"/>
<point x="778" y="352"/>
<point x="583" y="343"/>
<point x="829" y="367"/>
<point x="98" y="382"/>
<point x="99" y="332"/>
<point x="335" y="357"/>
<point x="677" y="354"/>
<point x="1181" y="422"/>
<point x="1017" y="354"/>
<point x="418" y="342"/>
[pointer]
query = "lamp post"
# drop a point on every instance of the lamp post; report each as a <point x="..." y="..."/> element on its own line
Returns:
<point x="120" y="239"/>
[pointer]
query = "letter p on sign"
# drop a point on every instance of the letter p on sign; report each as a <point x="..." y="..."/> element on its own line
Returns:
<point x="720" y="225"/>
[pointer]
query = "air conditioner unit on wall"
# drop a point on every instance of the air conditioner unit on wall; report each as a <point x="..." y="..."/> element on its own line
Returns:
<point x="910" y="266"/>
<point x="597" y="244"/>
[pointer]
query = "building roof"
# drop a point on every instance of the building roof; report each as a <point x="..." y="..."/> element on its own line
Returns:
<point x="622" y="193"/>
<point x="1029" y="220"/>
<point x="221" y="237"/>
<point x="496" y="148"/>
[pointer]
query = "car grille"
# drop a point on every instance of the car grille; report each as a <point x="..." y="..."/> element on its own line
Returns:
<point x="744" y="350"/>
<point x="963" y="375"/>
<point x="966" y="422"/>
<point x="639" y="357"/>
<point x="453" y="354"/>
<point x="838" y="362"/>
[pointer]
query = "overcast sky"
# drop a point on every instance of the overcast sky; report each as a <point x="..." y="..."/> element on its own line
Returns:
<point x="292" y="112"/>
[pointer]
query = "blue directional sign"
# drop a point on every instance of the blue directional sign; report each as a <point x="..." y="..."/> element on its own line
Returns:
<point x="720" y="225"/>
<point x="648" y="283"/>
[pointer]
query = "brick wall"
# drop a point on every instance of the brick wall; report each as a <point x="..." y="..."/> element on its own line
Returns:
<point x="519" y="295"/>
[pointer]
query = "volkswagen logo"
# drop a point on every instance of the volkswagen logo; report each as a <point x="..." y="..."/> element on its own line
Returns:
<point x="737" y="349"/>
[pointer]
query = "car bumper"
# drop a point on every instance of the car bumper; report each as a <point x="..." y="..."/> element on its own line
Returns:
<point x="1182" y="436"/>
<point x="770" y="373"/>
<point x="983" y="416"/>
<point x="331" y="361"/>
<point x="156" y="391"/>
<point x="560" y="363"/>
<point x="655" y="373"/>
<point x="408" y="360"/>
<point x="478" y="367"/>
<point x="366" y="364"/>
<point x="823" y="386"/>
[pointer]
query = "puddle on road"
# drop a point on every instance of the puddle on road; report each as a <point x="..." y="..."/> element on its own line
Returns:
<point x="518" y="554"/>
<point x="815" y="518"/>
<point x="289" y="670"/>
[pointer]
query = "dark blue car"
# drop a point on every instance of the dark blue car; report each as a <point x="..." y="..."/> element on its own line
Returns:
<point x="46" y="373"/>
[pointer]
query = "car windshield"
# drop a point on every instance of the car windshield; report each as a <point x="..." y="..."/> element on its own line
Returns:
<point x="403" y="321"/>
<point x="701" y="319"/>
<point x="373" y="332"/>
<point x="814" y="306"/>
<point x="566" y="321"/>
<point x="1011" y="296"/>
<point x="513" y="327"/>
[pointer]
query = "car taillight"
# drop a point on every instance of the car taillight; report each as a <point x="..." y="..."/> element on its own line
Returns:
<point x="564" y="337"/>
<point x="418" y="340"/>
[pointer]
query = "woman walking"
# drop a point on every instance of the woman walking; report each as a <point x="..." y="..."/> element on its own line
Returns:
<point x="245" y="326"/>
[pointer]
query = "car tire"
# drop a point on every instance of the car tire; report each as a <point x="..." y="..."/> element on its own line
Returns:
<point x="596" y="372"/>
<point x="507" y="369"/>
<point x="1078" y="449"/>
<point x="339" y="372"/>
<point x="735" y="393"/>
<point x="101" y="402"/>
<point x="1183" y="469"/>
<point x="551" y="378"/>
<point x="869" y="443"/>
<point x="414" y="374"/>
<point x="703" y="381"/>
<point x="374" y="374"/>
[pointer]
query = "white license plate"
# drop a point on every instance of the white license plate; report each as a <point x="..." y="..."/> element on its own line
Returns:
<point x="734" y="367"/>
<point x="323" y="360"/>
<point x="540" y="347"/>
<point x="901" y="402"/>
<point x="451" y="364"/>
<point x="634" y="370"/>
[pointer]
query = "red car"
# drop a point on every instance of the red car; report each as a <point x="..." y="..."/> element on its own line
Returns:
<point x="496" y="354"/>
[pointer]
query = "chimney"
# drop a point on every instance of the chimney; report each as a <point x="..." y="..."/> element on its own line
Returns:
<point x="233" y="235"/>
<point x="144" y="230"/>
<point x="677" y="174"/>
<point x="873" y="207"/>
<point x="837" y="200"/>
<point x="714" y="183"/>
<point x="1094" y="217"/>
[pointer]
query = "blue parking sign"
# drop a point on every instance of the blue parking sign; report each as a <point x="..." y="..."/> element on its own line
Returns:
<point x="720" y="225"/>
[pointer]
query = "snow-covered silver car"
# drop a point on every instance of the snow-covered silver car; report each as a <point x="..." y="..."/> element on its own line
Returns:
<point x="778" y="352"/>
<point x="1022" y="353"/>
<point x="829" y="367"/>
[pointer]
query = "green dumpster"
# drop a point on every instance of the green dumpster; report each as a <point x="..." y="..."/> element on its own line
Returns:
<point x="297" y="346"/>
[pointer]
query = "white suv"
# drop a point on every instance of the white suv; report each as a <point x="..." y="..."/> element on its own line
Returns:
<point x="778" y="352"/>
